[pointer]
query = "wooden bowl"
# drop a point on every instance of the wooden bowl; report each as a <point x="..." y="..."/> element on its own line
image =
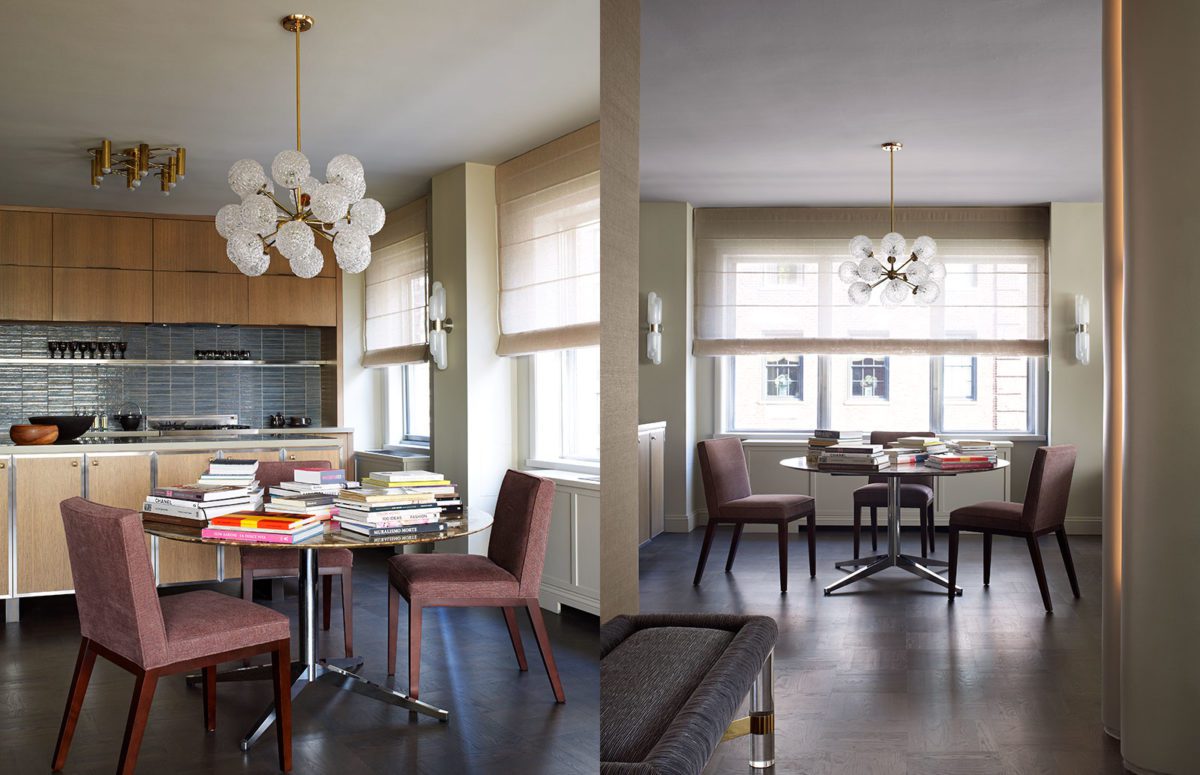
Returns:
<point x="33" y="434"/>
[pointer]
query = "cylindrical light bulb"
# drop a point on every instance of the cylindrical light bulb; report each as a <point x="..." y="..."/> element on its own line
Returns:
<point x="437" y="302"/>
<point x="654" y="347"/>
<point x="653" y="309"/>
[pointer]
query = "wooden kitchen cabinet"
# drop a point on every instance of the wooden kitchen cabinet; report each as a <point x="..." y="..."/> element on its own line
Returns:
<point x="103" y="241"/>
<point x="25" y="238"/>
<point x="189" y="246"/>
<point x="333" y="456"/>
<point x="275" y="300"/>
<point x="279" y="264"/>
<point x="5" y="470"/>
<point x="106" y="295"/>
<point x="199" y="297"/>
<point x="25" y="293"/>
<point x="121" y="481"/>
<point x="42" y="482"/>
<point x="178" y="561"/>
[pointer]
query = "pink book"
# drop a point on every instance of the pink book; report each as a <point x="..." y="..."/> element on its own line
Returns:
<point x="244" y="535"/>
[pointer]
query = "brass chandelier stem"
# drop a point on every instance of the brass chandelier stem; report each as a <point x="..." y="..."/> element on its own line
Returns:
<point x="297" y="28"/>
<point x="891" y="147"/>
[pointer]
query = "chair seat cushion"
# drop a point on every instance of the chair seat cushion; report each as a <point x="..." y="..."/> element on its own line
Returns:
<point x="449" y="576"/>
<point x="988" y="515"/>
<point x="204" y="622"/>
<point x="257" y="558"/>
<point x="768" y="508"/>
<point x="912" y="496"/>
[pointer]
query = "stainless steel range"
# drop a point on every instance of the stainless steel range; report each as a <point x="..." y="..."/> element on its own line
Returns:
<point x="199" y="425"/>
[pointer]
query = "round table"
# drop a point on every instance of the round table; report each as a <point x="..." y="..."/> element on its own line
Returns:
<point x="310" y="668"/>
<point x="918" y="566"/>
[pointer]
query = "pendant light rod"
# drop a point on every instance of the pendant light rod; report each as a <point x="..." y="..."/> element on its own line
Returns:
<point x="297" y="23"/>
<point x="891" y="147"/>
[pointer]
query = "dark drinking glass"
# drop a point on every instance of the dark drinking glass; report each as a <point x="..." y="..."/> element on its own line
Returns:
<point x="62" y="348"/>
<point x="92" y="348"/>
<point x="121" y="346"/>
<point x="73" y="346"/>
<point x="51" y="346"/>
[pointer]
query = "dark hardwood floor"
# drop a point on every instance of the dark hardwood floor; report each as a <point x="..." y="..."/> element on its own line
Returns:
<point x="502" y="721"/>
<point x="884" y="677"/>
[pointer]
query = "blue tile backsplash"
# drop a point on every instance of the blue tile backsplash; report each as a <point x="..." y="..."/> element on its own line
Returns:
<point x="251" y="392"/>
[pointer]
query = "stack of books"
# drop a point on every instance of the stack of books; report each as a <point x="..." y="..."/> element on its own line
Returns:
<point x="311" y="493"/>
<point x="387" y="512"/>
<point x="263" y="527"/>
<point x="853" y="457"/>
<point x="824" y="439"/>
<point x="231" y="471"/>
<point x="908" y="450"/>
<point x="966" y="455"/>
<point x="191" y="506"/>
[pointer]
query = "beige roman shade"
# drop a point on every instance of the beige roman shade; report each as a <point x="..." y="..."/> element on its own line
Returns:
<point x="766" y="282"/>
<point x="548" y="215"/>
<point x="396" y="292"/>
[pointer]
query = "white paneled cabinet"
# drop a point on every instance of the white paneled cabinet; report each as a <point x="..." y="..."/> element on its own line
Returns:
<point x="652" y="440"/>
<point x="572" y="572"/>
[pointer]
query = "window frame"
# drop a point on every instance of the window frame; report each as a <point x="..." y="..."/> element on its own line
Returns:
<point x="400" y="371"/>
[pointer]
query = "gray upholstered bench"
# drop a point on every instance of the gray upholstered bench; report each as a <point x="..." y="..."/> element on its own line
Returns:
<point x="671" y="683"/>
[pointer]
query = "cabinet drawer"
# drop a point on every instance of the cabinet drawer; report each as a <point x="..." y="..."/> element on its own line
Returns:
<point x="275" y="300"/>
<point x="199" y="297"/>
<point x="115" y="295"/>
<point x="25" y="238"/>
<point x="189" y="246"/>
<point x="25" y="293"/>
<point x="103" y="241"/>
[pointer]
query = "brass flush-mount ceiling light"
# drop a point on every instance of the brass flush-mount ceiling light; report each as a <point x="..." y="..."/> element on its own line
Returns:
<point x="334" y="210"/>
<point x="169" y="163"/>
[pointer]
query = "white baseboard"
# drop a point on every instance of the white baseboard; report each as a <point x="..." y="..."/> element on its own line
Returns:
<point x="679" y="523"/>
<point x="553" y="598"/>
<point x="1074" y="525"/>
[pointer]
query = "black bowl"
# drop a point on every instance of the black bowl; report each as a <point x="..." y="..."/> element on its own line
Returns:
<point x="70" y="426"/>
<point x="129" y="422"/>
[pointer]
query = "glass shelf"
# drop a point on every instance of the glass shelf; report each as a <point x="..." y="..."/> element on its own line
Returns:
<point x="155" y="362"/>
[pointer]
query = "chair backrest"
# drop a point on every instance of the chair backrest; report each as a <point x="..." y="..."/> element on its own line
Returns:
<point x="1049" y="487"/>
<point x="723" y="469"/>
<point x="114" y="582"/>
<point x="887" y="437"/>
<point x="272" y="472"/>
<point x="521" y="528"/>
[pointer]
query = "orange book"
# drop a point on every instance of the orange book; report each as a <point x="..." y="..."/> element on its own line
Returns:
<point x="260" y="521"/>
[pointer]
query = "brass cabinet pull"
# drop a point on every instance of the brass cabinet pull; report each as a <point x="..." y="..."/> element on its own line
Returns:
<point x="74" y="464"/>
<point x="3" y="465"/>
<point x="95" y="462"/>
<point x="291" y="457"/>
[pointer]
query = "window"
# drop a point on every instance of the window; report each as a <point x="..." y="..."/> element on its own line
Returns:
<point x="408" y="410"/>
<point x="565" y="407"/>
<point x="785" y="378"/>
<point x="960" y="375"/>
<point x="869" y="378"/>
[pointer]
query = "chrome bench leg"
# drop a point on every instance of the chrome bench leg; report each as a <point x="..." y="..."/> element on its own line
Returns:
<point x="762" y="716"/>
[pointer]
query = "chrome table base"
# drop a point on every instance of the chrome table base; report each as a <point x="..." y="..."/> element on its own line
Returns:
<point x="918" y="566"/>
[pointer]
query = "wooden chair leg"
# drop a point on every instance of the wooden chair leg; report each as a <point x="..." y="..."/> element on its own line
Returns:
<point x="874" y="529"/>
<point x="514" y="634"/>
<point x="281" y="675"/>
<point x="709" y="532"/>
<point x="924" y="527"/>
<point x="543" y="641"/>
<point x="1066" y="553"/>
<point x="857" y="529"/>
<point x="326" y="600"/>
<point x="812" y="545"/>
<point x="932" y="528"/>
<point x="952" y="561"/>
<point x="783" y="546"/>
<point x="733" y="545"/>
<point x="987" y="559"/>
<point x="1035" y="554"/>
<point x="393" y="624"/>
<point x="135" y="727"/>
<point x="79" y="684"/>
<point x="414" y="648"/>
<point x="348" y="611"/>
<point x="210" y="698"/>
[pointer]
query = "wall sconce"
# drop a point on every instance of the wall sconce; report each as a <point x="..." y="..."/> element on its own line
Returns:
<point x="439" y="325"/>
<point x="654" y="335"/>
<point x="1083" y="316"/>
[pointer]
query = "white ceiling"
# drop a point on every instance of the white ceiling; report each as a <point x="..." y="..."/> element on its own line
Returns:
<point x="410" y="87"/>
<point x="777" y="102"/>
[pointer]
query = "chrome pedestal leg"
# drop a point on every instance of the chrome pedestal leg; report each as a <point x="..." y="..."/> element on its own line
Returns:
<point x="762" y="716"/>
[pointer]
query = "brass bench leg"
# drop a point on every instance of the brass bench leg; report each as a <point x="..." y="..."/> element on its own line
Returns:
<point x="762" y="716"/>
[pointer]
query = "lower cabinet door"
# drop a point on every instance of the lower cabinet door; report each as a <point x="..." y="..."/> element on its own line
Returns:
<point x="5" y="464"/>
<point x="334" y="456"/>
<point x="43" y="564"/>
<point x="179" y="561"/>
<point x="122" y="481"/>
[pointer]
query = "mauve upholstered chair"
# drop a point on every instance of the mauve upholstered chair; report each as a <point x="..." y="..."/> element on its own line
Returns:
<point x="258" y="563"/>
<point x="122" y="619"/>
<point x="509" y="577"/>
<point x="916" y="492"/>
<point x="1044" y="511"/>
<point x="727" y="493"/>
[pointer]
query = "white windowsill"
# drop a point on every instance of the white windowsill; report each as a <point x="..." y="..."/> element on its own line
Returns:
<point x="561" y="464"/>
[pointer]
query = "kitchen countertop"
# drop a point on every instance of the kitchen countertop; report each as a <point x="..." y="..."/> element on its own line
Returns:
<point x="232" y="432"/>
<point x="126" y="443"/>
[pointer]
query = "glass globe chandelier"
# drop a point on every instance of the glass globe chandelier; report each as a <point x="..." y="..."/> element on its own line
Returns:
<point x="917" y="276"/>
<point x="334" y="210"/>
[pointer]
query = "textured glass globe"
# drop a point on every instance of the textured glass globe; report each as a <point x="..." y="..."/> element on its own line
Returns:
<point x="929" y="292"/>
<point x="892" y="244"/>
<point x="329" y="202"/>
<point x="294" y="240"/>
<point x="309" y="185"/>
<point x="894" y="292"/>
<point x="310" y="265"/>
<point x="246" y="176"/>
<point x="937" y="270"/>
<point x="848" y="272"/>
<point x="859" y="293"/>
<point x="258" y="214"/>
<point x="861" y="247"/>
<point x="229" y="219"/>
<point x="368" y="214"/>
<point x="290" y="168"/>
<point x="917" y="271"/>
<point x="243" y="248"/>
<point x="256" y="266"/>
<point x="352" y="247"/>
<point x="357" y="189"/>
<point x="344" y="169"/>
<point x="924" y="248"/>
<point x="870" y="270"/>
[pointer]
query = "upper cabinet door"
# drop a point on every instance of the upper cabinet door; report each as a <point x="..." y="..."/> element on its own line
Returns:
<point x="189" y="246"/>
<point x="292" y="301"/>
<point x="25" y="238"/>
<point x="103" y="241"/>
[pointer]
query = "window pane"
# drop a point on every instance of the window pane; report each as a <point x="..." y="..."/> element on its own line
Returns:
<point x="1002" y="397"/>
<point x="394" y="386"/>
<point x="959" y="377"/>
<point x="416" y="403"/>
<point x="879" y="392"/>
<point x="773" y="392"/>
<point x="581" y="404"/>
